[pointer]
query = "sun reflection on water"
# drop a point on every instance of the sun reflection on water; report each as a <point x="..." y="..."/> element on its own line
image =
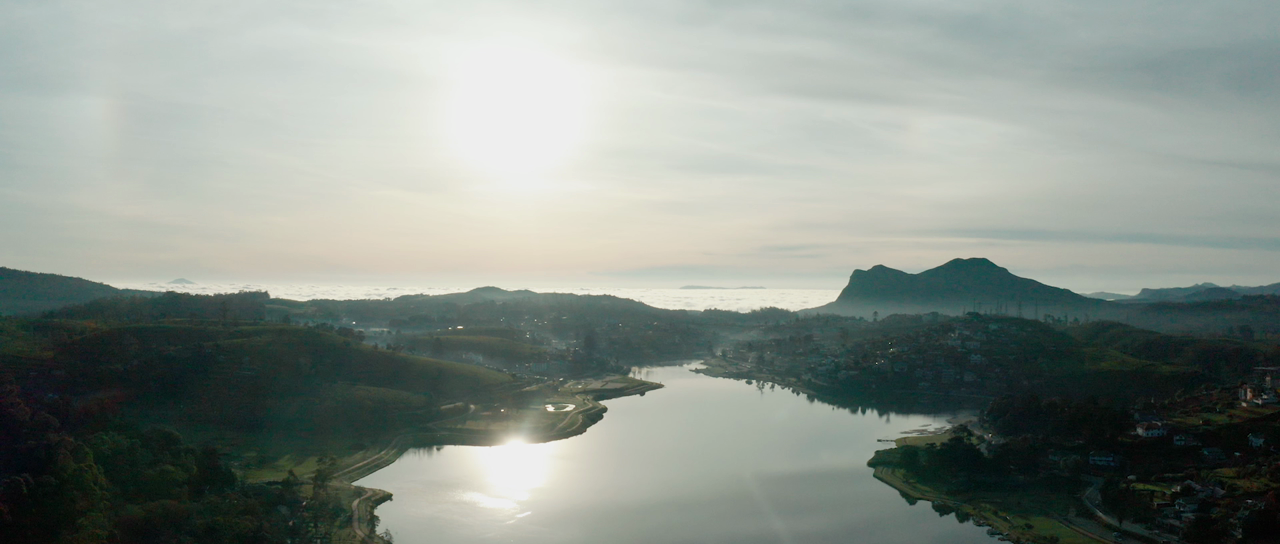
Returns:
<point x="513" y="470"/>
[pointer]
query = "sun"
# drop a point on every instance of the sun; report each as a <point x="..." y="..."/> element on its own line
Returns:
<point x="514" y="111"/>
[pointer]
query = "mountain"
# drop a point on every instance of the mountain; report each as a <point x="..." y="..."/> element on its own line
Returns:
<point x="1273" y="289"/>
<point x="1202" y="292"/>
<point x="24" y="292"/>
<point x="1103" y="295"/>
<point x="1212" y="293"/>
<point x="1171" y="293"/>
<point x="182" y="281"/>
<point x="958" y="286"/>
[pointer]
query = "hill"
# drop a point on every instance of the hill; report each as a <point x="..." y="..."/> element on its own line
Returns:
<point x="609" y="327"/>
<point x="99" y="421"/>
<point x="1202" y="292"/>
<point x="1273" y="289"/>
<point x="960" y="285"/>
<point x="24" y="292"/>
<point x="245" y="306"/>
<point x="1244" y="316"/>
<point x="1104" y="295"/>
<point x="279" y="379"/>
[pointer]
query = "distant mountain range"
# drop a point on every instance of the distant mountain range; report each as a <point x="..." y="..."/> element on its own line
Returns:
<point x="1202" y="292"/>
<point x="958" y="286"/>
<point x="1103" y="295"/>
<point x="1196" y="293"/>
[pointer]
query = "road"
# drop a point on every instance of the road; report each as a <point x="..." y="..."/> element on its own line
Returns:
<point x="1092" y="498"/>
<point x="357" y="523"/>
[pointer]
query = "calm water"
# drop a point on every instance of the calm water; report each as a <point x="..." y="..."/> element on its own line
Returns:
<point x="740" y="300"/>
<point x="703" y="460"/>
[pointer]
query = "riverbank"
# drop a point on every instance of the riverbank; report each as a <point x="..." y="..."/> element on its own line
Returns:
<point x="477" y="427"/>
<point x="1017" y="517"/>
<point x="904" y="400"/>
<point x="1019" y="512"/>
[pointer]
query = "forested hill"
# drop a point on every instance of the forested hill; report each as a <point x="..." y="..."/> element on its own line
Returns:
<point x="95" y="405"/>
<point x="959" y="285"/>
<point x="24" y="292"/>
<point x="491" y="303"/>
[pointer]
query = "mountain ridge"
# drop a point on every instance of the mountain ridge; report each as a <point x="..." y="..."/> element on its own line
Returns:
<point x="961" y="284"/>
<point x="23" y="292"/>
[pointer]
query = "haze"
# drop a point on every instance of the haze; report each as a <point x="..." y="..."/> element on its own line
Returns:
<point x="1086" y="144"/>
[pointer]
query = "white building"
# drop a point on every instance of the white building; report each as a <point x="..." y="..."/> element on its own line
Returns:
<point x="1152" y="430"/>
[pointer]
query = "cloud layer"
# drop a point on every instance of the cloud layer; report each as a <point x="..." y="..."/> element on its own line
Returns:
<point x="1088" y="144"/>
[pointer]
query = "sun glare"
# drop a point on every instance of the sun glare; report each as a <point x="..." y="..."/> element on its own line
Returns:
<point x="513" y="470"/>
<point x="512" y="111"/>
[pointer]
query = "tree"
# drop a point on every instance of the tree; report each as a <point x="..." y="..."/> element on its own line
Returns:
<point x="1261" y="525"/>
<point x="1122" y="501"/>
<point x="211" y="475"/>
<point x="1204" y="530"/>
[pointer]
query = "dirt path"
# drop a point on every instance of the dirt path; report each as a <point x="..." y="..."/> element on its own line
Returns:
<point x="357" y="524"/>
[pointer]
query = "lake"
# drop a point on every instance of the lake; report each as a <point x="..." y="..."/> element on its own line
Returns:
<point x="702" y="460"/>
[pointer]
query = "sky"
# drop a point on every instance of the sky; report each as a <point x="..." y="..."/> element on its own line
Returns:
<point x="1087" y="144"/>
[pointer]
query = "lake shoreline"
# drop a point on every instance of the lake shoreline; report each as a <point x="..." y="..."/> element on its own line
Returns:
<point x="999" y="523"/>
<point x="921" y="401"/>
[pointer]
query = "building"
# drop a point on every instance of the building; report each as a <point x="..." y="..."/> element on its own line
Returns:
<point x="1104" y="459"/>
<point x="1188" y="504"/>
<point x="1152" y="430"/>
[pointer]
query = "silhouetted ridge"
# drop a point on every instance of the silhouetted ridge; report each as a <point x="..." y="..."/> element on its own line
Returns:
<point x="24" y="292"/>
<point x="975" y="263"/>
<point x="950" y="287"/>
<point x="1172" y="293"/>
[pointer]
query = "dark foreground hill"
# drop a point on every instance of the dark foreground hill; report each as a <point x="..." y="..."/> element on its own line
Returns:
<point x="24" y="292"/>
<point x="93" y="415"/>
<point x="960" y="285"/>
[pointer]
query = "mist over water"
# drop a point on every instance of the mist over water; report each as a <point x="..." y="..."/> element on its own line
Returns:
<point x="740" y="300"/>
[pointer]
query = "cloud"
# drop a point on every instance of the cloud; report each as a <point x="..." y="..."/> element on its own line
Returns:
<point x="1137" y="238"/>
<point x="785" y="138"/>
